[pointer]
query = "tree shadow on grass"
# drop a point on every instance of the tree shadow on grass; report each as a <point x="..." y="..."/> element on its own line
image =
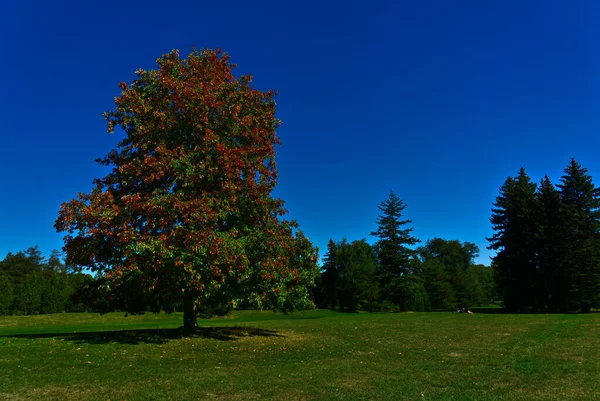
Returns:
<point x="153" y="336"/>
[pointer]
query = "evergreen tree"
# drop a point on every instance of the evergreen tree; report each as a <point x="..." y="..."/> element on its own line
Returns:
<point x="54" y="262"/>
<point x="552" y="248"/>
<point x="514" y="222"/>
<point x="581" y="202"/>
<point x="17" y="267"/>
<point x="328" y="277"/>
<point x="396" y="259"/>
<point x="31" y="284"/>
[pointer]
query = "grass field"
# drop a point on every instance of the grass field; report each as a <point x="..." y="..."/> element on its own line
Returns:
<point x="316" y="355"/>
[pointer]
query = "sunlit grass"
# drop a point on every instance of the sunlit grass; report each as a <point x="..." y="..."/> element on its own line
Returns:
<point x="316" y="355"/>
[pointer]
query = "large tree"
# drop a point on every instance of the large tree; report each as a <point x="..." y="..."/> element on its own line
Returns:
<point x="514" y="222"/>
<point x="396" y="259"/>
<point x="552" y="249"/>
<point x="581" y="227"/>
<point x="186" y="214"/>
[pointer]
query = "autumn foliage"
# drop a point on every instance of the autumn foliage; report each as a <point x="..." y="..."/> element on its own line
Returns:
<point x="186" y="212"/>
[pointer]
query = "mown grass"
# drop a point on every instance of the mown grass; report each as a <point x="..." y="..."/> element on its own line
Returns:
<point x="315" y="355"/>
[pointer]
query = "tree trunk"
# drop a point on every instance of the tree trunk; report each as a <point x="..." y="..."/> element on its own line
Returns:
<point x="189" y="314"/>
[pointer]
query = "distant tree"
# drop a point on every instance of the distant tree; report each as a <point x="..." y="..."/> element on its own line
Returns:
<point x="28" y="297"/>
<point x="54" y="262"/>
<point x="55" y="292"/>
<point x="514" y="221"/>
<point x="356" y="286"/>
<point x="31" y="284"/>
<point x="436" y="280"/>
<point x="79" y="298"/>
<point x="6" y="295"/>
<point x="553" y="248"/>
<point x="328" y="277"/>
<point x="349" y="276"/>
<point x="186" y="215"/>
<point x="17" y="267"/>
<point x="449" y="279"/>
<point x="581" y="201"/>
<point x="482" y="285"/>
<point x="35" y="256"/>
<point x="411" y="293"/>
<point x="396" y="260"/>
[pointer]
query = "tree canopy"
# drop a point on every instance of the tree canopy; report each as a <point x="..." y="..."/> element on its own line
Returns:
<point x="186" y="211"/>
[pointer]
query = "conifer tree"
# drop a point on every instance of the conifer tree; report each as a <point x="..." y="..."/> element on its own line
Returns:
<point x="514" y="222"/>
<point x="581" y="202"/>
<point x="328" y="277"/>
<point x="553" y="290"/>
<point x="396" y="259"/>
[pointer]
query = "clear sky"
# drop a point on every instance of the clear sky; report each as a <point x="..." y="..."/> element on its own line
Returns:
<point x="438" y="100"/>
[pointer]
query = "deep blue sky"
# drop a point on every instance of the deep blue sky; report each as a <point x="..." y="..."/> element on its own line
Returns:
<point x="436" y="101"/>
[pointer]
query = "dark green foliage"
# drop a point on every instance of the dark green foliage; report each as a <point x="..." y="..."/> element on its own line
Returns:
<point x="483" y="278"/>
<point x="552" y="248"/>
<point x="581" y="226"/>
<point x="548" y="243"/>
<point x="325" y="286"/>
<point x="396" y="260"/>
<point x="438" y="286"/>
<point x="6" y="295"/>
<point x="28" y="297"/>
<point x="450" y="278"/>
<point x="410" y="294"/>
<point x="514" y="222"/>
<point x="31" y="285"/>
<point x="348" y="277"/>
<point x="18" y="266"/>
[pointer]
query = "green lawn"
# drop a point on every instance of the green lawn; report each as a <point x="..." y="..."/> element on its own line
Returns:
<point x="316" y="355"/>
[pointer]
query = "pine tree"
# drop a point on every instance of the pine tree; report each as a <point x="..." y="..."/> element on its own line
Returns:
<point x="329" y="275"/>
<point x="551" y="248"/>
<point x="581" y="201"/>
<point x="514" y="222"/>
<point x="396" y="260"/>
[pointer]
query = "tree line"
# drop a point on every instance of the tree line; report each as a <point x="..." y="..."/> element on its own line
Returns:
<point x="394" y="275"/>
<point x="31" y="284"/>
<point x="547" y="243"/>
<point x="547" y="240"/>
